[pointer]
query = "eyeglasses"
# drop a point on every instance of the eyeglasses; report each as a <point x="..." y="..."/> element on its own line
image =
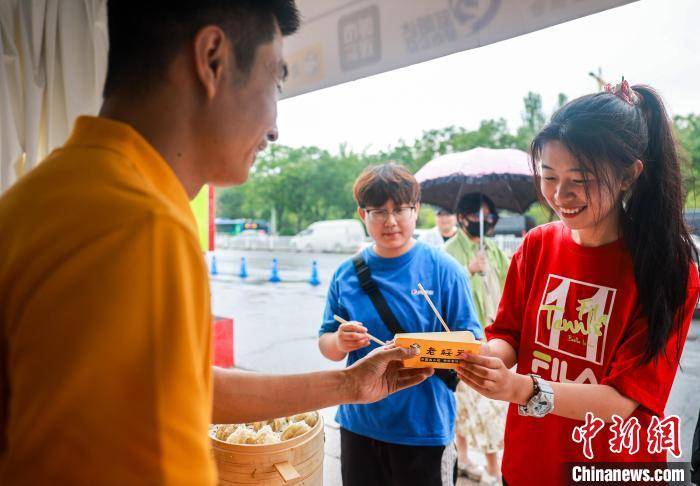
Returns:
<point x="401" y="214"/>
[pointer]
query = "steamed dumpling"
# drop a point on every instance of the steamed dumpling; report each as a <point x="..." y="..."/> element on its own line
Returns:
<point x="242" y="435"/>
<point x="295" y="429"/>
<point x="267" y="431"/>
<point x="278" y="424"/>
<point x="257" y="425"/>
<point x="224" y="430"/>
<point x="309" y="417"/>
<point x="266" y="436"/>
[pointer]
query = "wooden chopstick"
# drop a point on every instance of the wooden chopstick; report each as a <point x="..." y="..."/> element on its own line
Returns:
<point x="432" y="306"/>
<point x="343" y="321"/>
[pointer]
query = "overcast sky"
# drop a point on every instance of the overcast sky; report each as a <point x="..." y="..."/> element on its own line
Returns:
<point x="654" y="42"/>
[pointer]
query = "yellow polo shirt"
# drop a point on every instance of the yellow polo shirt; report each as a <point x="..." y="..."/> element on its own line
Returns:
<point x="105" y="327"/>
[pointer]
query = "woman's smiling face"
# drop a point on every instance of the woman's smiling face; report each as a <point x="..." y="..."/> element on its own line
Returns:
<point x="580" y="200"/>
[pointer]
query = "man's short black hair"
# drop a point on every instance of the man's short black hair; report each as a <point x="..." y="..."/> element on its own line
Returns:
<point x="145" y="35"/>
<point x="471" y="203"/>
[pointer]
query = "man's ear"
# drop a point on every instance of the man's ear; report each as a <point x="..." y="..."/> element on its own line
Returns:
<point x="361" y="213"/>
<point x="212" y="58"/>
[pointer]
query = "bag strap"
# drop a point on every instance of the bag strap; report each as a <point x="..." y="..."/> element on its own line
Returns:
<point x="369" y="286"/>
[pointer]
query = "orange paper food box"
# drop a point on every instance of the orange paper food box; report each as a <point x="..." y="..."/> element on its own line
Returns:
<point x="438" y="349"/>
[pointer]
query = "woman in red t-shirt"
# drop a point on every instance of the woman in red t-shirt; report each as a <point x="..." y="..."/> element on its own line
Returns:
<point x="596" y="306"/>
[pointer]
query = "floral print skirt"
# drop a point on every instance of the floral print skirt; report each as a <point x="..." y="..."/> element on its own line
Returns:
<point x="480" y="420"/>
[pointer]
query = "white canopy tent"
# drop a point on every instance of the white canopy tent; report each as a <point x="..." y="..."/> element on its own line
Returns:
<point x="54" y="53"/>
<point x="54" y="56"/>
<point x="343" y="40"/>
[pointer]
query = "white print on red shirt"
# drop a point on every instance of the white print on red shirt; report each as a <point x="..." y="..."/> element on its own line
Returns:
<point x="663" y="435"/>
<point x="573" y="318"/>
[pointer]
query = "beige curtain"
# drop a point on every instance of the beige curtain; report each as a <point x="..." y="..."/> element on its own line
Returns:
<point x="53" y="57"/>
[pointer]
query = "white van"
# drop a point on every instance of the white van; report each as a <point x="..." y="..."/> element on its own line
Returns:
<point x="338" y="235"/>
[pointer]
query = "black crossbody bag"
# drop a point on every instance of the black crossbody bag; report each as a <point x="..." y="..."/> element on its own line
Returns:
<point x="369" y="286"/>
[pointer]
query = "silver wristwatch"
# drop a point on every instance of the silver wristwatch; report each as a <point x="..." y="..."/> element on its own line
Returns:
<point x="542" y="402"/>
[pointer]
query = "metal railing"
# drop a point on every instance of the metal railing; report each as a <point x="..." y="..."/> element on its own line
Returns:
<point x="261" y="242"/>
<point x="508" y="244"/>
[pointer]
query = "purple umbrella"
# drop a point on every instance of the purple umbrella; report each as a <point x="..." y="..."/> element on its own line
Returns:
<point x="504" y="175"/>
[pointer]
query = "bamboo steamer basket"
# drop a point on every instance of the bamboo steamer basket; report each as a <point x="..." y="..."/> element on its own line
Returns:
<point x="298" y="461"/>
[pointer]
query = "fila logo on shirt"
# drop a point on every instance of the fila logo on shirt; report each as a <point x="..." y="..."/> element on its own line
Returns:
<point x="558" y="368"/>
<point x="572" y="320"/>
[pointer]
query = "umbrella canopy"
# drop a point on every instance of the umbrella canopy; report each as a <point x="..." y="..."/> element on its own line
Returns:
<point x="504" y="175"/>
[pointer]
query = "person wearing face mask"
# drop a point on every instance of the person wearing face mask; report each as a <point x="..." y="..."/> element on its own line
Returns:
<point x="487" y="268"/>
<point x="480" y="422"/>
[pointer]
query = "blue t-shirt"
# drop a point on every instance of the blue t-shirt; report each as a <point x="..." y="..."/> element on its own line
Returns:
<point x="423" y="415"/>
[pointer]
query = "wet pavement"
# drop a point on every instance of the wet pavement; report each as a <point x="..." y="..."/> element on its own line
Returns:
<point x="276" y="331"/>
<point x="275" y="325"/>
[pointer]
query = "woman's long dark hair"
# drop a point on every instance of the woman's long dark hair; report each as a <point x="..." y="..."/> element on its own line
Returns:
<point x="606" y="134"/>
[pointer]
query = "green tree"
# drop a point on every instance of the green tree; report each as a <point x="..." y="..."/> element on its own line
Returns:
<point x="307" y="184"/>
<point x="229" y="202"/>
<point x="533" y="119"/>
<point x="562" y="99"/>
<point x="687" y="130"/>
<point x="303" y="185"/>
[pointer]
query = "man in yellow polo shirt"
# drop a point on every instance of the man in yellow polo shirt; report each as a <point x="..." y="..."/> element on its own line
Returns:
<point x="105" y="374"/>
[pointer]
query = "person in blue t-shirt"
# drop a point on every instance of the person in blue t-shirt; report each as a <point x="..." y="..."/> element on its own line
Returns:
<point x="408" y="437"/>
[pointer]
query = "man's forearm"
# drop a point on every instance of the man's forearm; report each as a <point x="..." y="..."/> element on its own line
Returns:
<point x="242" y="396"/>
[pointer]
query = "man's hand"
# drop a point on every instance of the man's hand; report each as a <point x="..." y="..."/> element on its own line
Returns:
<point x="351" y="336"/>
<point x="478" y="263"/>
<point x="381" y="373"/>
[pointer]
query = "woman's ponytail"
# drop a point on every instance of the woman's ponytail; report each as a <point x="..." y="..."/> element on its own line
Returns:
<point x="654" y="228"/>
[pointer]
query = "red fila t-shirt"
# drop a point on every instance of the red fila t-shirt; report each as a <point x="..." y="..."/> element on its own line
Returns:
<point x="573" y="316"/>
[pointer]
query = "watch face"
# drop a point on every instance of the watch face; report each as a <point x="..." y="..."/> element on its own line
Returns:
<point x="541" y="408"/>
